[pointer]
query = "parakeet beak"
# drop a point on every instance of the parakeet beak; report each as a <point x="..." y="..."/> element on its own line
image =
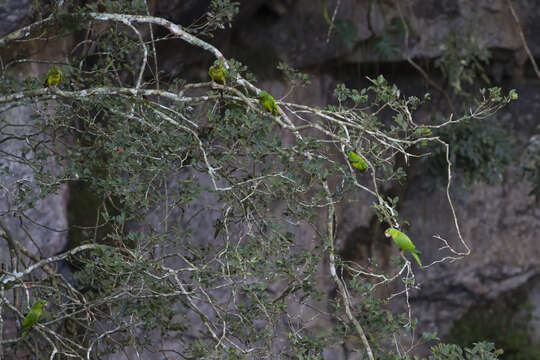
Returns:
<point x="387" y="234"/>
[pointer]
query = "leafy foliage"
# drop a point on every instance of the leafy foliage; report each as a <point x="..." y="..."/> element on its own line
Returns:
<point x="480" y="150"/>
<point x="463" y="60"/>
<point x="531" y="165"/>
<point x="509" y="330"/>
<point x="346" y="31"/>
<point x="479" y="351"/>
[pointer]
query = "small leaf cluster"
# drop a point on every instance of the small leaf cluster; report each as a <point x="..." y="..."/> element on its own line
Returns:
<point x="463" y="60"/>
<point x="480" y="152"/>
<point x="479" y="351"/>
<point x="531" y="165"/>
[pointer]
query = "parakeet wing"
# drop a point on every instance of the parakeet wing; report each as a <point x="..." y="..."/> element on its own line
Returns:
<point x="353" y="157"/>
<point x="403" y="241"/>
<point x="217" y="73"/>
<point x="54" y="75"/>
<point x="32" y="317"/>
<point x="274" y="107"/>
<point x="357" y="161"/>
<point x="267" y="101"/>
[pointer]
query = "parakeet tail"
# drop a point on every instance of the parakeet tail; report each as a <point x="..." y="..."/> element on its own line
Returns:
<point x="416" y="258"/>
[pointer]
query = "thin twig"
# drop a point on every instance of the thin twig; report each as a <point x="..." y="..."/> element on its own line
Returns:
<point x="523" y="40"/>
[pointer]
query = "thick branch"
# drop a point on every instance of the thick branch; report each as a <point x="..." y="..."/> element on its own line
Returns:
<point x="18" y="275"/>
<point x="337" y="280"/>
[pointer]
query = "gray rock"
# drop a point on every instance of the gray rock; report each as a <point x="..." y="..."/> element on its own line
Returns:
<point x="14" y="14"/>
<point x="46" y="221"/>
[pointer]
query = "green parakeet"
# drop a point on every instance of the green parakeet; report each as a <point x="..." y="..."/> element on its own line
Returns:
<point x="32" y="317"/>
<point x="53" y="77"/>
<point x="403" y="242"/>
<point x="217" y="73"/>
<point x="267" y="102"/>
<point x="357" y="161"/>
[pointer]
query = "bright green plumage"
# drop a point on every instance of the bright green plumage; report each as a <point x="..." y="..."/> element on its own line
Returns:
<point x="325" y="13"/>
<point x="217" y="73"/>
<point x="32" y="317"/>
<point x="403" y="242"/>
<point x="267" y="101"/>
<point x="357" y="161"/>
<point x="53" y="76"/>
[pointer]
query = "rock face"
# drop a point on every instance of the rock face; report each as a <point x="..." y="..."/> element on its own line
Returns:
<point x="46" y="222"/>
<point x="14" y="14"/>
<point x="299" y="33"/>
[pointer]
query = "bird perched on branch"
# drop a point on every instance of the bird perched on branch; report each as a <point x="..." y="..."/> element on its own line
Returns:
<point x="403" y="242"/>
<point x="267" y="101"/>
<point x="53" y="77"/>
<point x="358" y="161"/>
<point x="217" y="73"/>
<point x="32" y="317"/>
